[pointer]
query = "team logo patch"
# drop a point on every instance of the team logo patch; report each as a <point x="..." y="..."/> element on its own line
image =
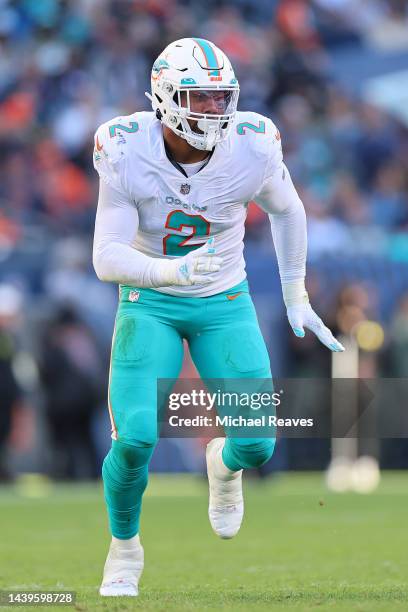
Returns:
<point x="134" y="296"/>
<point x="185" y="188"/>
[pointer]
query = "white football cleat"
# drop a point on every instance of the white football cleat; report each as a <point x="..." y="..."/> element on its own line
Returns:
<point x="123" y="568"/>
<point x="226" y="504"/>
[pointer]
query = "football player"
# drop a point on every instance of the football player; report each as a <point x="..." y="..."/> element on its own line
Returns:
<point x="174" y="189"/>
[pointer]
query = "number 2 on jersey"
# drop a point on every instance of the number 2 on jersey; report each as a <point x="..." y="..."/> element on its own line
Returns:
<point x="242" y="127"/>
<point x="174" y="244"/>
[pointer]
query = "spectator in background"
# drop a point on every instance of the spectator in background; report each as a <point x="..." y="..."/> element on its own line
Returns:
<point x="70" y="374"/>
<point x="396" y="356"/>
<point x="394" y="364"/>
<point x="69" y="279"/>
<point x="10" y="391"/>
<point x="388" y="202"/>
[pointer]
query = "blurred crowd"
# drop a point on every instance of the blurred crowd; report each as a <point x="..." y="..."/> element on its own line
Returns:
<point x="66" y="66"/>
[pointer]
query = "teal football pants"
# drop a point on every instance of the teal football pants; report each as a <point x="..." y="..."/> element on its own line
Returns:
<point x="224" y="341"/>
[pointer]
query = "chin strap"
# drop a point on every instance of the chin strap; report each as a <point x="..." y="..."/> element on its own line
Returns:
<point x="210" y="134"/>
<point x="211" y="138"/>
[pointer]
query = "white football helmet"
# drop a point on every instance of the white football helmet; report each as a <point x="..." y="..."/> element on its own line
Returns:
<point x="195" y="91"/>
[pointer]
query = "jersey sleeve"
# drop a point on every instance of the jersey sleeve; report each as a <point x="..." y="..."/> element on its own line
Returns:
<point x="278" y="197"/>
<point x="114" y="258"/>
<point x="274" y="150"/>
<point x="116" y="224"/>
<point x="108" y="155"/>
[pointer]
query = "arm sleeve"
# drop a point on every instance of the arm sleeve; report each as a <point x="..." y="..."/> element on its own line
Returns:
<point x="114" y="258"/>
<point x="279" y="198"/>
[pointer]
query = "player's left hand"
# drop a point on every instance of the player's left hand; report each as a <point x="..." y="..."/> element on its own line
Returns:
<point x="303" y="316"/>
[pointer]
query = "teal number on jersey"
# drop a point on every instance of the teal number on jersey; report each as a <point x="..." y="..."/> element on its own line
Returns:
<point x="174" y="244"/>
<point x="130" y="129"/>
<point x="259" y="129"/>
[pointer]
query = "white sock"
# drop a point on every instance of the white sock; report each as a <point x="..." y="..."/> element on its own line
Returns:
<point x="129" y="544"/>
<point x="221" y="470"/>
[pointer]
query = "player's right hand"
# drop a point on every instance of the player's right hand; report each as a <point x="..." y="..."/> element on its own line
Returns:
<point x="197" y="267"/>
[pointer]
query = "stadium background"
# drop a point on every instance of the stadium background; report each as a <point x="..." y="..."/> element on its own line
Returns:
<point x="332" y="74"/>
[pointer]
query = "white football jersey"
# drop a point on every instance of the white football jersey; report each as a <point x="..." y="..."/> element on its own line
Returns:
<point x="177" y="212"/>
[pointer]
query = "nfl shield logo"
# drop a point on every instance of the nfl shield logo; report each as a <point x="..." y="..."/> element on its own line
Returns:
<point x="134" y="296"/>
<point x="185" y="189"/>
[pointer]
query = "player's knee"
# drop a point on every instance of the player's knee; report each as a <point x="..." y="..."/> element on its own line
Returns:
<point x="264" y="452"/>
<point x="133" y="454"/>
<point x="137" y="427"/>
<point x="253" y="454"/>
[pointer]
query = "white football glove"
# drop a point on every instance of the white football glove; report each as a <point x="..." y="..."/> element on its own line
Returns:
<point x="196" y="268"/>
<point x="303" y="315"/>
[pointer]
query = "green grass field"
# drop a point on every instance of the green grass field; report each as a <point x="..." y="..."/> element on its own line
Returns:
<point x="300" y="547"/>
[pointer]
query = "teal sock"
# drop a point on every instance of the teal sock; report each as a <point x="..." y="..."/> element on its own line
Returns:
<point x="240" y="453"/>
<point x="125" y="475"/>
